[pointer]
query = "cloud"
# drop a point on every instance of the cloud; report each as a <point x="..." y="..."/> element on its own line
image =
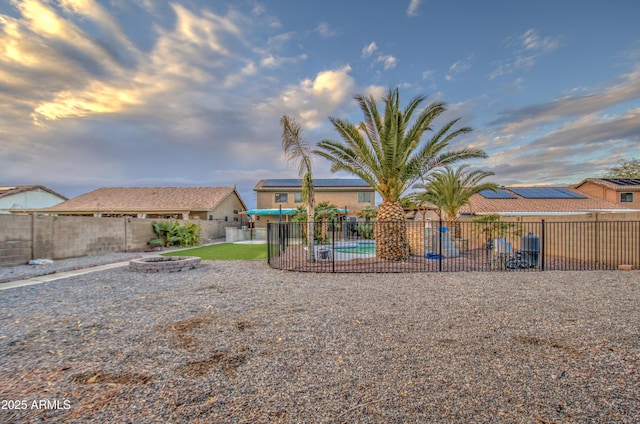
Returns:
<point x="527" y="48"/>
<point x="412" y="10"/>
<point x="259" y="13"/>
<point x="202" y="51"/>
<point x="588" y="129"/>
<point x="368" y="50"/>
<point x="388" y="60"/>
<point x="377" y="91"/>
<point x="569" y="138"/>
<point x="582" y="101"/>
<point x="83" y="104"/>
<point x="531" y="41"/>
<point x="325" y="31"/>
<point x="313" y="100"/>
<point x="460" y="66"/>
<point x="428" y="74"/>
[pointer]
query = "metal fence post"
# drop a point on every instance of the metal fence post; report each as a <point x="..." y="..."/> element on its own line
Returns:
<point x="268" y="243"/>
<point x="333" y="248"/>
<point x="542" y="253"/>
<point x="440" y="244"/>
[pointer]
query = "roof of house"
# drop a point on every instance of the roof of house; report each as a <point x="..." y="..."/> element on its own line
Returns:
<point x="617" y="184"/>
<point x="338" y="183"/>
<point x="148" y="199"/>
<point x="6" y="191"/>
<point x="508" y="201"/>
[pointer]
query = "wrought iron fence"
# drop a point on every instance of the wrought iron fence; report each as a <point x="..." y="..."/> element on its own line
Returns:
<point x="463" y="246"/>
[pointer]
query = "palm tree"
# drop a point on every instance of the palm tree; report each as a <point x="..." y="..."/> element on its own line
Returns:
<point x="296" y="149"/>
<point x="326" y="213"/>
<point x="368" y="213"/>
<point x="451" y="189"/>
<point x="388" y="153"/>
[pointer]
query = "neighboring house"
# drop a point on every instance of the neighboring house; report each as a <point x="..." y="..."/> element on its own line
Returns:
<point x="352" y="194"/>
<point x="514" y="201"/>
<point x="625" y="192"/>
<point x="273" y="195"/>
<point x="210" y="203"/>
<point x="20" y="198"/>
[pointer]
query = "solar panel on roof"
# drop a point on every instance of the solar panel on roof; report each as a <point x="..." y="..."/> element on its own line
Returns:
<point x="282" y="183"/>
<point x="318" y="182"/>
<point x="500" y="194"/>
<point x="623" y="181"/>
<point x="546" y="193"/>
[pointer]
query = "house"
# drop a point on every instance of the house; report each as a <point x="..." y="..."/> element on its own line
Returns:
<point x="20" y="198"/>
<point x="349" y="195"/>
<point x="520" y="201"/>
<point x="208" y="203"/>
<point x="624" y="192"/>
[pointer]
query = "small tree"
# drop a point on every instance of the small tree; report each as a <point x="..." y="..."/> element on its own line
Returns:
<point x="625" y="169"/>
<point x="489" y="227"/>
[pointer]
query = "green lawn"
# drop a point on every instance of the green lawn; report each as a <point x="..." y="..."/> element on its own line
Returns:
<point x="226" y="251"/>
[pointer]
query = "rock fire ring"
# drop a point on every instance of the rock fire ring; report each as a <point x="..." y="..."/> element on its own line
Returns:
<point x="164" y="264"/>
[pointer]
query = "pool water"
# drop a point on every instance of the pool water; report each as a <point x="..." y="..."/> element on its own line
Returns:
<point x="360" y="249"/>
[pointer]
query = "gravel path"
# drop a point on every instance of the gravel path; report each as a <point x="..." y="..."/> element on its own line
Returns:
<point x="23" y="272"/>
<point x="240" y="342"/>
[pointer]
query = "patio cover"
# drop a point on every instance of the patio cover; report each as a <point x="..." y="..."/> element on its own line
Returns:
<point x="285" y="211"/>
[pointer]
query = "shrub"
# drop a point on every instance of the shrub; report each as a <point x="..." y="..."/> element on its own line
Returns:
<point x="175" y="234"/>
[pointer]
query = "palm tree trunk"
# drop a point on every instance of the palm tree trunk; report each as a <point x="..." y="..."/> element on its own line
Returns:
<point x="391" y="232"/>
<point x="310" y="233"/>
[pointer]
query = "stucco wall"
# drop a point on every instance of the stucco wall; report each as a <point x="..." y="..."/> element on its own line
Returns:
<point x="266" y="199"/>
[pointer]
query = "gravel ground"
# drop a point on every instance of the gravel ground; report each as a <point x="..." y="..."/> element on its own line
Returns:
<point x="242" y="343"/>
<point x="23" y="272"/>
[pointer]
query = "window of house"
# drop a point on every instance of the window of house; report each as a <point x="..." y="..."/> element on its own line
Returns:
<point x="297" y="197"/>
<point x="364" y="197"/>
<point x="281" y="198"/>
<point x="626" y="197"/>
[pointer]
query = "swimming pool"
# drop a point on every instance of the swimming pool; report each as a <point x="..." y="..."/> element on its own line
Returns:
<point x="366" y="247"/>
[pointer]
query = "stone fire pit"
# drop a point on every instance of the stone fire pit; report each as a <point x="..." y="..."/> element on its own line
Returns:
<point x="164" y="264"/>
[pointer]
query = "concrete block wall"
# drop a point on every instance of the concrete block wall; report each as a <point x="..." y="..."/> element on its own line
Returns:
<point x="84" y="236"/>
<point x="26" y="237"/>
<point x="15" y="239"/>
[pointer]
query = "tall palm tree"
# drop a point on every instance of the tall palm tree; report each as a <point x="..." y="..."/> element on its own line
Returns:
<point x="387" y="152"/>
<point x="451" y="189"/>
<point x="297" y="149"/>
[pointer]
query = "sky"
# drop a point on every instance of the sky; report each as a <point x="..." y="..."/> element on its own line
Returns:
<point x="121" y="93"/>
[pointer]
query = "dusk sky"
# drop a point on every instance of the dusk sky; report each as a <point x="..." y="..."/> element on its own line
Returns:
<point x="190" y="93"/>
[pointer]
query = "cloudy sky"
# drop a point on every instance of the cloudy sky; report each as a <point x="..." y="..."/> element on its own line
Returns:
<point x="190" y="92"/>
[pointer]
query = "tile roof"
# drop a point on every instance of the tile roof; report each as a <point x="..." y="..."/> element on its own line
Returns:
<point x="146" y="199"/>
<point x="317" y="183"/>
<point x="519" y="204"/>
<point x="617" y="184"/>
<point x="6" y="191"/>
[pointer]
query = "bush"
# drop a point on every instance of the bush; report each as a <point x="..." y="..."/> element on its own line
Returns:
<point x="175" y="234"/>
